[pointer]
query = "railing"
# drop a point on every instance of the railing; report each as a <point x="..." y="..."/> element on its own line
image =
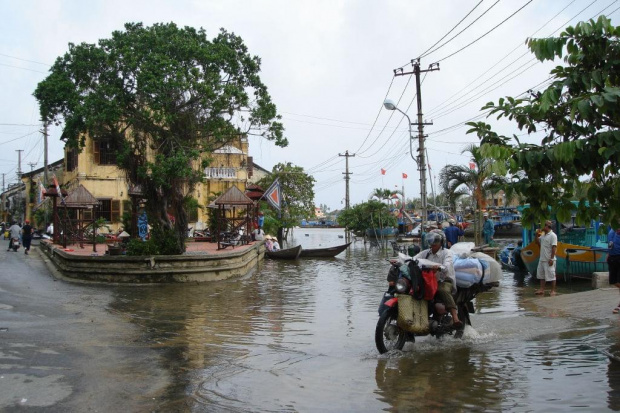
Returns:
<point x="221" y="173"/>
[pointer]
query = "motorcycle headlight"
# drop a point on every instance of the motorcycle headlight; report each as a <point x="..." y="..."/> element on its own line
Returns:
<point x="403" y="286"/>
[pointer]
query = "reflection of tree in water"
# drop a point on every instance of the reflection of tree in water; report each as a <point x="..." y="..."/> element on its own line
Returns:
<point x="441" y="378"/>
<point x="201" y="328"/>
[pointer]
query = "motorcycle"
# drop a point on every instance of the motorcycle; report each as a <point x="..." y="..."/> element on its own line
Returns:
<point x="15" y="244"/>
<point x="393" y="331"/>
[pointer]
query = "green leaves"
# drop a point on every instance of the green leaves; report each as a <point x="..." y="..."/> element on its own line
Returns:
<point x="580" y="113"/>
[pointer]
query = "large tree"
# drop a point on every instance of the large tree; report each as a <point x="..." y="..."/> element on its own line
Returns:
<point x="579" y="112"/>
<point x="371" y="214"/>
<point x="164" y="97"/>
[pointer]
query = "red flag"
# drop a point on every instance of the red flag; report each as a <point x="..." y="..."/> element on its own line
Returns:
<point x="472" y="166"/>
<point x="404" y="175"/>
<point x="382" y="171"/>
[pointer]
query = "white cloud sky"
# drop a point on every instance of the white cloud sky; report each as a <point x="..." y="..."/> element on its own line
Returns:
<point x="327" y="64"/>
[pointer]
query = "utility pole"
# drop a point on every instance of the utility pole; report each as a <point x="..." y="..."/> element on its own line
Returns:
<point x="346" y="177"/>
<point x="3" y="182"/>
<point x="32" y="165"/>
<point x="421" y="158"/>
<point x="45" y="154"/>
<point x="19" y="164"/>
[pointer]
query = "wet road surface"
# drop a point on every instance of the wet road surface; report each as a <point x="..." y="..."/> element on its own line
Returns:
<point x="291" y="336"/>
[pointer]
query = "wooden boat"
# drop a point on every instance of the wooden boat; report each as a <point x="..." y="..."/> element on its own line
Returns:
<point x="580" y="250"/>
<point x="323" y="252"/>
<point x="285" y="254"/>
<point x="510" y="258"/>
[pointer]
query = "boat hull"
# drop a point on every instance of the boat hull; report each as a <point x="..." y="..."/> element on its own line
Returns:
<point x="323" y="252"/>
<point x="285" y="254"/>
<point x="571" y="259"/>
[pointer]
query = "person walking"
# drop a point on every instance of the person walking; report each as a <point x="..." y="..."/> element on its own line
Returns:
<point x="613" y="259"/>
<point x="488" y="229"/>
<point x="548" y="242"/>
<point x="26" y="236"/>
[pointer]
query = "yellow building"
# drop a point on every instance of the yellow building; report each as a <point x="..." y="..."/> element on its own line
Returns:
<point x="95" y="168"/>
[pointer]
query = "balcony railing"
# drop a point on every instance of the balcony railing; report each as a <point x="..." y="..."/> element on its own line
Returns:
<point x="221" y="173"/>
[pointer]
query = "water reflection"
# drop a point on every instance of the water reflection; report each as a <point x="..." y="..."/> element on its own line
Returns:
<point x="300" y="337"/>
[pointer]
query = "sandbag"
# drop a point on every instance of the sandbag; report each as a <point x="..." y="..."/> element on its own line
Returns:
<point x="412" y="314"/>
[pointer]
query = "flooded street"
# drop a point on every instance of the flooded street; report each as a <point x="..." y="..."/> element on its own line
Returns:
<point x="299" y="336"/>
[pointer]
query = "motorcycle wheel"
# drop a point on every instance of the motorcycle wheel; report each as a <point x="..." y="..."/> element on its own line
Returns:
<point x="388" y="336"/>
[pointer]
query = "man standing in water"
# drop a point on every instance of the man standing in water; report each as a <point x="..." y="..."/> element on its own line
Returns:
<point x="548" y="242"/>
<point x="488" y="229"/>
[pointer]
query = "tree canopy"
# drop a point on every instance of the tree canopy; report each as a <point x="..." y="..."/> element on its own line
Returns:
<point x="164" y="97"/>
<point x="371" y="214"/>
<point x="297" y="196"/>
<point x="579" y="113"/>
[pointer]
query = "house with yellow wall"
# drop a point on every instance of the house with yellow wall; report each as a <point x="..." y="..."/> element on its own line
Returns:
<point x="96" y="169"/>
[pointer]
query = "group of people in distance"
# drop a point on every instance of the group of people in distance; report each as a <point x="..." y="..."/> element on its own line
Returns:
<point x="271" y="243"/>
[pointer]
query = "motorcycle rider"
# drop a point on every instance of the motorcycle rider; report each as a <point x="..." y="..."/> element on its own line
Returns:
<point x="14" y="232"/>
<point x="445" y="272"/>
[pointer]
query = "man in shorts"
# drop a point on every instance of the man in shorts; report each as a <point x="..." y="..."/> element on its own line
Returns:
<point x="548" y="242"/>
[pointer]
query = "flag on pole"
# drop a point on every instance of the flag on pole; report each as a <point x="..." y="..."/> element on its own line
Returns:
<point x="382" y="171"/>
<point x="58" y="191"/>
<point x="472" y="166"/>
<point x="273" y="195"/>
<point x="41" y="192"/>
<point x="404" y="175"/>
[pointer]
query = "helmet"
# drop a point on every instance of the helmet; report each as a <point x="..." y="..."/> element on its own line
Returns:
<point x="452" y="221"/>
<point x="433" y="238"/>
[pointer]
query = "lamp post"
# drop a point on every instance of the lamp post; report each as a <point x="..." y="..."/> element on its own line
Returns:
<point x="420" y="160"/>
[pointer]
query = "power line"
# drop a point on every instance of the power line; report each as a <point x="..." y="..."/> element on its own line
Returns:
<point x="485" y="34"/>
<point x="456" y="35"/>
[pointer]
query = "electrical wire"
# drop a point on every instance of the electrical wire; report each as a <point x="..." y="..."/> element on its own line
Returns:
<point x="485" y="34"/>
<point x="456" y="35"/>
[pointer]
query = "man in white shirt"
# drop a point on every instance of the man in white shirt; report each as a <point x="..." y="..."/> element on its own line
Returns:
<point x="548" y="242"/>
<point x="445" y="272"/>
<point x="258" y="234"/>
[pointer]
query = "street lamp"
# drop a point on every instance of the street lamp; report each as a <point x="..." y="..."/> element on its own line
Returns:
<point x="420" y="160"/>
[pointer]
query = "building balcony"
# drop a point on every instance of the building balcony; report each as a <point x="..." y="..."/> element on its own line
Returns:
<point x="221" y="173"/>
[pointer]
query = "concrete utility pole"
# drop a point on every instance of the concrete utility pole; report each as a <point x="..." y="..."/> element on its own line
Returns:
<point x="346" y="177"/>
<point x="421" y="158"/>
<point x="45" y="154"/>
<point x="19" y="164"/>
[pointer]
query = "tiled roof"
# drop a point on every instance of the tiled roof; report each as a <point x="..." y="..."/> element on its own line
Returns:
<point x="80" y="198"/>
<point x="233" y="197"/>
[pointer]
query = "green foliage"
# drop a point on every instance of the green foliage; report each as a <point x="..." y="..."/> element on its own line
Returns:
<point x="580" y="114"/>
<point x="138" y="247"/>
<point x="371" y="214"/>
<point x="297" y="192"/>
<point x="161" y="89"/>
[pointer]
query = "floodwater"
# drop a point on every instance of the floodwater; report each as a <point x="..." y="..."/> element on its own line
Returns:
<point x="299" y="337"/>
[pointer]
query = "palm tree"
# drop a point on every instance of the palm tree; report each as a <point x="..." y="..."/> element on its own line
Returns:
<point x="458" y="180"/>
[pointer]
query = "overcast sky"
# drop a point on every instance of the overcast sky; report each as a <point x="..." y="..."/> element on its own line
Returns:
<point x="328" y="65"/>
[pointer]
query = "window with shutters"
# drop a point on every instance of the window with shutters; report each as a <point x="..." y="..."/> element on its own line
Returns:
<point x="104" y="210"/>
<point x="104" y="153"/>
<point x="72" y="159"/>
